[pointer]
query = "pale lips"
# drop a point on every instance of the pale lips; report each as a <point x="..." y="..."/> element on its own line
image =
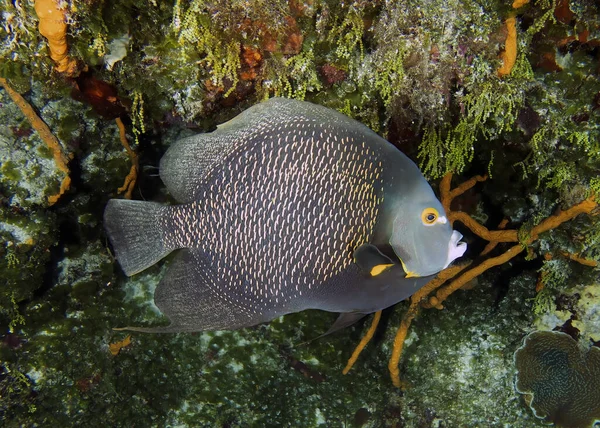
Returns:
<point x="455" y="248"/>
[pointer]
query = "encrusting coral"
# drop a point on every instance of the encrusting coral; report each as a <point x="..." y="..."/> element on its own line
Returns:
<point x="560" y="380"/>
<point x="494" y="237"/>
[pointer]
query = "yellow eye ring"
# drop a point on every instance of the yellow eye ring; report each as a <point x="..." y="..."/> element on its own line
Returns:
<point x="429" y="216"/>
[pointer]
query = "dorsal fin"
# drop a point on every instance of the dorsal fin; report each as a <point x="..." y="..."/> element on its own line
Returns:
<point x="186" y="164"/>
<point x="188" y="160"/>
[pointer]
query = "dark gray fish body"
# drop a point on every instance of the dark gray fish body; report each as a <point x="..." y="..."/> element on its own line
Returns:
<point x="275" y="204"/>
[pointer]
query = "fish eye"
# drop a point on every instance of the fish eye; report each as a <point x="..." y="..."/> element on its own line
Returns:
<point x="429" y="216"/>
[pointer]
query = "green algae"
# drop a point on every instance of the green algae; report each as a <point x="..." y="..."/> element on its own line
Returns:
<point x="346" y="34"/>
<point x="11" y="171"/>
<point x="303" y="74"/>
<point x="24" y="253"/>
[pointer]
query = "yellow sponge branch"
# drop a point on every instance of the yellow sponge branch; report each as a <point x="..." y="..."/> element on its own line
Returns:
<point x="60" y="158"/>
<point x="131" y="178"/>
<point x="363" y="342"/>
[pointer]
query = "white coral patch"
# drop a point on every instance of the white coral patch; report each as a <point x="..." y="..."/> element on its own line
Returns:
<point x="117" y="50"/>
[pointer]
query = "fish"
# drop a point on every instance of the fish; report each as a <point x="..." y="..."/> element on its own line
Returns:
<point x="286" y="207"/>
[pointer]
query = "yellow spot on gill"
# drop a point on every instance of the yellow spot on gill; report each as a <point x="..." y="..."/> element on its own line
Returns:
<point x="379" y="268"/>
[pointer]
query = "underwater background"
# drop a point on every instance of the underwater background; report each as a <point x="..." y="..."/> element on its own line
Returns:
<point x="94" y="92"/>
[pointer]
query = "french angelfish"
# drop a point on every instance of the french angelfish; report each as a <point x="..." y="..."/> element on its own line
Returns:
<point x="288" y="206"/>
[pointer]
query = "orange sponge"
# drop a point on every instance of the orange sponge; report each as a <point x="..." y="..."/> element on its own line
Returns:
<point x="509" y="55"/>
<point x="53" y="26"/>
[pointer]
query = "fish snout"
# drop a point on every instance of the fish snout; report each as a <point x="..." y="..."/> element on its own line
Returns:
<point x="455" y="248"/>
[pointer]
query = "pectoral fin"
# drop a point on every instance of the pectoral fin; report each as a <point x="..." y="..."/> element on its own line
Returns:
<point x="371" y="260"/>
<point x="344" y="320"/>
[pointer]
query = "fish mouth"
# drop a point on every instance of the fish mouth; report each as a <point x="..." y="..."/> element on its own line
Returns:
<point x="455" y="248"/>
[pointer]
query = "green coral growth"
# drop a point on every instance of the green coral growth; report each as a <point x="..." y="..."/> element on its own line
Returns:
<point x="543" y="302"/>
<point x="137" y="115"/>
<point x="555" y="273"/>
<point x="15" y="391"/>
<point x="490" y="110"/>
<point x="389" y="77"/>
<point x="16" y="318"/>
<point x="200" y="39"/>
<point x="564" y="147"/>
<point x="560" y="136"/>
<point x="347" y="35"/>
<point x="595" y="188"/>
<point x="302" y="71"/>
<point x="591" y="244"/>
<point x="18" y="35"/>
<point x="11" y="171"/>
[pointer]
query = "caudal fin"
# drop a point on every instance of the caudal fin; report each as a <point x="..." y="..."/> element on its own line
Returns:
<point x="135" y="229"/>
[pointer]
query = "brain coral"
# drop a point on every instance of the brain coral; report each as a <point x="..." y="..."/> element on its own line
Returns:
<point x="560" y="380"/>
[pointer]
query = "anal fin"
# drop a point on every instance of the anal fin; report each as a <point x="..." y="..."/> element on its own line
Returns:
<point x="193" y="299"/>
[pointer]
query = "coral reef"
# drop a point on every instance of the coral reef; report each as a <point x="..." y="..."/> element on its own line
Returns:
<point x="575" y="310"/>
<point x="423" y="74"/>
<point x="458" y="363"/>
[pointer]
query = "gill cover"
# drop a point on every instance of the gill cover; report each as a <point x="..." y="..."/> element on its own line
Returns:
<point x="422" y="237"/>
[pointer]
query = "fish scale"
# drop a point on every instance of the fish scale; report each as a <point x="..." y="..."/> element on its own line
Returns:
<point x="321" y="189"/>
<point x="286" y="207"/>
